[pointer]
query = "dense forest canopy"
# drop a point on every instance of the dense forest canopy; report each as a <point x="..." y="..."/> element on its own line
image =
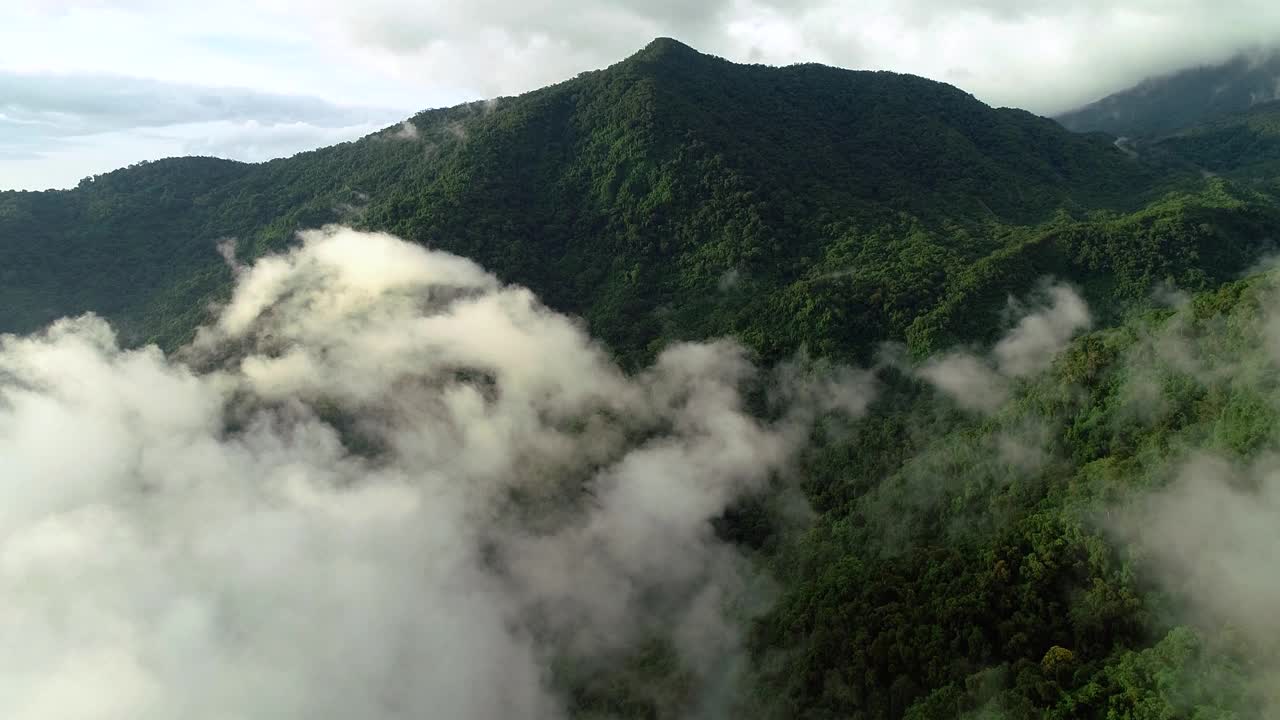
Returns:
<point x="1059" y="502"/>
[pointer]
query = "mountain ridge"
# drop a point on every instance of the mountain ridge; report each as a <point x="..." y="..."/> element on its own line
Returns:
<point x="633" y="152"/>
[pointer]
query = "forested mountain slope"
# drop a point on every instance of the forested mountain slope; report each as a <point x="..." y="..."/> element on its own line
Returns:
<point x="977" y="546"/>
<point x="671" y="195"/>
<point x="1243" y="145"/>
<point x="1085" y="549"/>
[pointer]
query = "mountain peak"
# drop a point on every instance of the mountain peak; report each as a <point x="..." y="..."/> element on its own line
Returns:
<point x="665" y="49"/>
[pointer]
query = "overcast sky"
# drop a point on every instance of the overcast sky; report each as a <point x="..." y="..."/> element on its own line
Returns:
<point x="90" y="85"/>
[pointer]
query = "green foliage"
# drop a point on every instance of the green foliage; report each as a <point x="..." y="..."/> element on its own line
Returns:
<point x="673" y="195"/>
<point x="1244" y="145"/>
<point x="948" y="578"/>
<point x="956" y="566"/>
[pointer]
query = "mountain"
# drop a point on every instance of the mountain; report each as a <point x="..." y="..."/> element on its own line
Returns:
<point x="970" y="547"/>
<point x="619" y="195"/>
<point x="1161" y="105"/>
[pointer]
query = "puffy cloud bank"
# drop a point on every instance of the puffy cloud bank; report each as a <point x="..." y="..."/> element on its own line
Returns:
<point x="380" y="484"/>
<point x="1043" y="331"/>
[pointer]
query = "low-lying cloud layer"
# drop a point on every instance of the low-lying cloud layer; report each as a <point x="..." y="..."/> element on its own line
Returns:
<point x="1213" y="533"/>
<point x="54" y="126"/>
<point x="1210" y="540"/>
<point x="979" y="383"/>
<point x="380" y="484"/>
<point x="1199" y="517"/>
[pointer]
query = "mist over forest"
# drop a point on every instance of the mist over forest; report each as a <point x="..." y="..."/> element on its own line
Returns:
<point x="680" y="389"/>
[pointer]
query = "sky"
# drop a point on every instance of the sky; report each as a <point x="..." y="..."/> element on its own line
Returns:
<point x="87" y="86"/>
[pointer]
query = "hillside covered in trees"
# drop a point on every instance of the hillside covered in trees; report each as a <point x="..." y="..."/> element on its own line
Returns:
<point x="632" y="196"/>
<point x="1002" y="534"/>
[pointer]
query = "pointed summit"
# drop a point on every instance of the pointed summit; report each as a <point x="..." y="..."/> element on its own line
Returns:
<point x="666" y="47"/>
<point x="665" y="50"/>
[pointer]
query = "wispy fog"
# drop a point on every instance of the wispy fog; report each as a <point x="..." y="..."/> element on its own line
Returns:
<point x="379" y="484"/>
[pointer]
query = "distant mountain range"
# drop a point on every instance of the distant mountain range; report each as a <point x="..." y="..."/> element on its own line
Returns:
<point x="1162" y="105"/>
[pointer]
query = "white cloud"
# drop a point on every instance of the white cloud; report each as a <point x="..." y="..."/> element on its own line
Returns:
<point x="1042" y="331"/>
<point x="379" y="484"/>
<point x="1046" y="56"/>
<point x="1210" y="538"/>
<point x="973" y="383"/>
<point x="1040" y="334"/>
<point x="406" y="130"/>
<point x="61" y="104"/>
